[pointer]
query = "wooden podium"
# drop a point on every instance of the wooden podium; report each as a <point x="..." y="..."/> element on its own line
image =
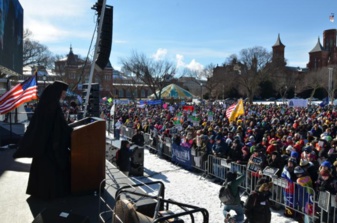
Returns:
<point x="87" y="155"/>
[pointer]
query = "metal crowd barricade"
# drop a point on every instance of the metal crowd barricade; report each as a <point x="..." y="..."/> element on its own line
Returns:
<point x="251" y="179"/>
<point x="217" y="167"/>
<point x="127" y="132"/>
<point x="166" y="147"/>
<point x="199" y="159"/>
<point x="328" y="207"/>
<point x="236" y="167"/>
<point x="147" y="140"/>
<point x="122" y="133"/>
<point x="297" y="200"/>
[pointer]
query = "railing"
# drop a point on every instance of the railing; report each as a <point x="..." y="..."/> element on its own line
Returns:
<point x="303" y="202"/>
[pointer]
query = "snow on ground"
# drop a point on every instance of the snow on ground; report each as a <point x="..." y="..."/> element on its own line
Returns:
<point x="187" y="187"/>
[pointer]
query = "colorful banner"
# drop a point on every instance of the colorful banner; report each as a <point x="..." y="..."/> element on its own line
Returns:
<point x="188" y="108"/>
<point x="181" y="156"/>
<point x="151" y="102"/>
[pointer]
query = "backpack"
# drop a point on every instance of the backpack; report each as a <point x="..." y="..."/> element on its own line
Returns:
<point x="225" y="194"/>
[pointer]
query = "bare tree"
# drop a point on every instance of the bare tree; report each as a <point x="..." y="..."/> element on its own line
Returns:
<point x="323" y="76"/>
<point x="252" y="68"/>
<point x="282" y="81"/>
<point x="313" y="80"/>
<point x="152" y="72"/>
<point x="35" y="53"/>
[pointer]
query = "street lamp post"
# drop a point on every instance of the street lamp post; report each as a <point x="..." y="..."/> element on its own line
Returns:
<point x="285" y="93"/>
<point x="295" y="92"/>
<point x="44" y="77"/>
<point x="330" y="85"/>
<point x="201" y="91"/>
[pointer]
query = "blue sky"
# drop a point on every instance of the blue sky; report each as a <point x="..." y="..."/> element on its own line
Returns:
<point x="191" y="34"/>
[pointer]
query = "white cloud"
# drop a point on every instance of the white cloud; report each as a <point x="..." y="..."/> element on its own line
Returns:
<point x="160" y="54"/>
<point x="54" y="21"/>
<point x="60" y="9"/>
<point x="45" y="32"/>
<point x="180" y="61"/>
<point x="193" y="65"/>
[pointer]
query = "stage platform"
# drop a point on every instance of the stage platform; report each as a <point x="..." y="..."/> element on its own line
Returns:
<point x="11" y="133"/>
<point x="17" y="206"/>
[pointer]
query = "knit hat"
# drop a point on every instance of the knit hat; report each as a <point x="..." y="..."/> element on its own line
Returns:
<point x="299" y="170"/>
<point x="294" y="154"/>
<point x="275" y="153"/>
<point x="262" y="183"/>
<point x="289" y="148"/>
<point x="326" y="164"/>
<point x="304" y="162"/>
<point x="218" y="137"/>
<point x="292" y="160"/>
<point x="307" y="149"/>
<point x="230" y="176"/>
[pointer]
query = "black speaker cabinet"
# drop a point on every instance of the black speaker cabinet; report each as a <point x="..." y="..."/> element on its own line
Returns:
<point x="50" y="215"/>
<point x="137" y="161"/>
<point x="105" y="40"/>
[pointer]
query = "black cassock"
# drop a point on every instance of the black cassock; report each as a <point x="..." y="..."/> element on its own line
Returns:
<point x="47" y="141"/>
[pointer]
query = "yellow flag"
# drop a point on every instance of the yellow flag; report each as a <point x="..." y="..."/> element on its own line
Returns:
<point x="238" y="110"/>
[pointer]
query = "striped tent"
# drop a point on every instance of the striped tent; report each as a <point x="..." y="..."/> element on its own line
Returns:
<point x="174" y="91"/>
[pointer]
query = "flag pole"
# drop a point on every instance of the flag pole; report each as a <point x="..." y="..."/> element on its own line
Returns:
<point x="10" y="118"/>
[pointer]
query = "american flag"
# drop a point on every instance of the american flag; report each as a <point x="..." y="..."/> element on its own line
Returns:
<point x="230" y="110"/>
<point x="332" y="17"/>
<point x="19" y="94"/>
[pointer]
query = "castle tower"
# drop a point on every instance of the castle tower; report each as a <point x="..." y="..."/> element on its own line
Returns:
<point x="329" y="44"/>
<point x="318" y="57"/>
<point x="278" y="52"/>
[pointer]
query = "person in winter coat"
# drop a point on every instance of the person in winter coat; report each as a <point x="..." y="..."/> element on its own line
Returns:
<point x="326" y="183"/>
<point x="245" y="156"/>
<point x="304" y="193"/>
<point x="290" y="176"/>
<point x="220" y="148"/>
<point x="234" y="180"/>
<point x="275" y="161"/>
<point x="235" y="152"/>
<point x="257" y="205"/>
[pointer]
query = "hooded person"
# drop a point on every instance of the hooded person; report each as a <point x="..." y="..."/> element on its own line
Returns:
<point x="47" y="141"/>
<point x="257" y="206"/>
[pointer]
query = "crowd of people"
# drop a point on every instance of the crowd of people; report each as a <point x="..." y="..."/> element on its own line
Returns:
<point x="299" y="141"/>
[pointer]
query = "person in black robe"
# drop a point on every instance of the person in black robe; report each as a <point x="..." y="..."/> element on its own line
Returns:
<point x="47" y="141"/>
<point x="123" y="157"/>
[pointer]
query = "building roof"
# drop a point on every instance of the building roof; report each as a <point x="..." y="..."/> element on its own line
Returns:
<point x="297" y="69"/>
<point x="278" y="41"/>
<point x="174" y="91"/>
<point x="318" y="47"/>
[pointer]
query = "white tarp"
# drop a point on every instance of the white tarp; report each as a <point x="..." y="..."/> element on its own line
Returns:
<point x="297" y="102"/>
